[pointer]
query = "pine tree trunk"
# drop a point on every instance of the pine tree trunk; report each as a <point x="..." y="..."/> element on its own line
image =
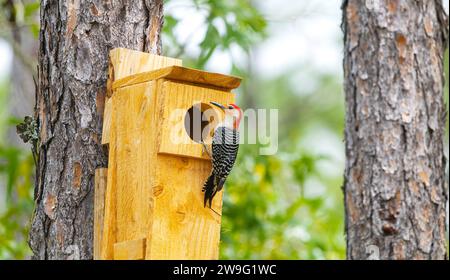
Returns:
<point x="395" y="191"/>
<point x="75" y="39"/>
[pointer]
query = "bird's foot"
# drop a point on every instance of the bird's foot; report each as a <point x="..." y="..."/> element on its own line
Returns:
<point x="214" y="211"/>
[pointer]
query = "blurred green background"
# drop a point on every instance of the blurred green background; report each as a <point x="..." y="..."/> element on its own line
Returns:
<point x="284" y="206"/>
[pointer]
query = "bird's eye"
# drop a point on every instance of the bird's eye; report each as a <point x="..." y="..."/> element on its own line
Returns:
<point x="230" y="107"/>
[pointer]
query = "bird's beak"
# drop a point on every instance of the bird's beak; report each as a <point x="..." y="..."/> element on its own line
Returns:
<point x="218" y="105"/>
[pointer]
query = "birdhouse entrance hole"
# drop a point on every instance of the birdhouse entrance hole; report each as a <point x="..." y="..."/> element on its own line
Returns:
<point x="199" y="122"/>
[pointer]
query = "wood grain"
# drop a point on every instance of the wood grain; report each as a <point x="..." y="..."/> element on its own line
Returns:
<point x="106" y="121"/>
<point x="130" y="250"/>
<point x="127" y="211"/>
<point x="182" y="74"/>
<point x="126" y="62"/>
<point x="101" y="176"/>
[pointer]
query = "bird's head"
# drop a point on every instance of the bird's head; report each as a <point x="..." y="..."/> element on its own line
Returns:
<point x="233" y="114"/>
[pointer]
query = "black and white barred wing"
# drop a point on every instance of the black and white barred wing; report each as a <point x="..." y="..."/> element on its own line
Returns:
<point x="225" y="147"/>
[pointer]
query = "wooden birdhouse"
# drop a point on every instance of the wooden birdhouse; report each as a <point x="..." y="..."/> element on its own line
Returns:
<point x="152" y="204"/>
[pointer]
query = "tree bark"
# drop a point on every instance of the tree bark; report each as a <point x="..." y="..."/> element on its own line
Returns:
<point x="75" y="39"/>
<point x="395" y="191"/>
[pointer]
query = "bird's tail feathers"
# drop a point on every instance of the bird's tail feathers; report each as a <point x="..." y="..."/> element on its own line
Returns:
<point x="210" y="190"/>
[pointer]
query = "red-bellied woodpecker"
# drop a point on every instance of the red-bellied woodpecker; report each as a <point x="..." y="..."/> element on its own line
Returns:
<point x="225" y="145"/>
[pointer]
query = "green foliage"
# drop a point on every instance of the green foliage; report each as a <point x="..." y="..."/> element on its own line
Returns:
<point x="234" y="23"/>
<point x="267" y="216"/>
<point x="289" y="205"/>
<point x="22" y="14"/>
<point x="16" y="175"/>
<point x="16" y="168"/>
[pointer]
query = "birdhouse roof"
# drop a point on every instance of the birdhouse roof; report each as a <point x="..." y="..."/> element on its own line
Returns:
<point x="182" y="74"/>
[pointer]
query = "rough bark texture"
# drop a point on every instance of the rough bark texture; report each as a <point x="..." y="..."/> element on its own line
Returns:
<point x="75" y="39"/>
<point x="395" y="192"/>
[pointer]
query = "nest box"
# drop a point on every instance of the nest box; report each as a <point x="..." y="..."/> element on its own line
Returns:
<point x="152" y="204"/>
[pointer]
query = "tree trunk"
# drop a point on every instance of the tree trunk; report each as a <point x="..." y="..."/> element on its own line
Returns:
<point x="395" y="191"/>
<point x="75" y="39"/>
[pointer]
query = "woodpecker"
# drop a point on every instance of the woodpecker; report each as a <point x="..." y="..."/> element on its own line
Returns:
<point x="225" y="145"/>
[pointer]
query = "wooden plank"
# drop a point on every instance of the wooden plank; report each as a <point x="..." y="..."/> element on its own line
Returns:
<point x="128" y="62"/>
<point x="178" y="99"/>
<point x="125" y="62"/>
<point x="182" y="229"/>
<point x="182" y="74"/>
<point x="128" y="210"/>
<point x="130" y="250"/>
<point x="133" y="184"/>
<point x="109" y="224"/>
<point x="101" y="175"/>
<point x="106" y="121"/>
